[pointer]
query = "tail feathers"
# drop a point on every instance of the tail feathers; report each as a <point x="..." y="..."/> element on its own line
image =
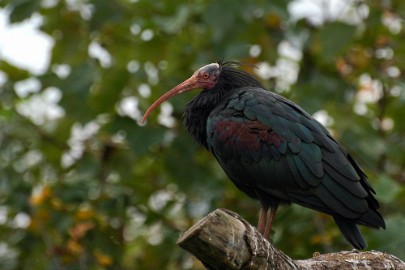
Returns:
<point x="350" y="232"/>
<point x="372" y="219"/>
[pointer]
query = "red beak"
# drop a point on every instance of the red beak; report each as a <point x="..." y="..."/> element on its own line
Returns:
<point x="185" y="86"/>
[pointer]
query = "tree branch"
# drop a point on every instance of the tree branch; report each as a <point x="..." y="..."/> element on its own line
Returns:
<point x="224" y="241"/>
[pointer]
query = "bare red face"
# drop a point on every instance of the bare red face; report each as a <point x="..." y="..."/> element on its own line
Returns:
<point x="205" y="78"/>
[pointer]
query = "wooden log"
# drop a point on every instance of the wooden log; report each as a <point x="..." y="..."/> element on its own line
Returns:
<point x="224" y="241"/>
<point x="352" y="260"/>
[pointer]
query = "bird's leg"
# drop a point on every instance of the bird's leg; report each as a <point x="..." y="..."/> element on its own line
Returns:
<point x="271" y="212"/>
<point x="262" y="219"/>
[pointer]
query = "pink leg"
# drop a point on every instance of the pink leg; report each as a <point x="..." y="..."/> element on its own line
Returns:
<point x="271" y="213"/>
<point x="262" y="219"/>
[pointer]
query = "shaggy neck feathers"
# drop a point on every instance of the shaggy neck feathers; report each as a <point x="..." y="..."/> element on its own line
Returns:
<point x="200" y="107"/>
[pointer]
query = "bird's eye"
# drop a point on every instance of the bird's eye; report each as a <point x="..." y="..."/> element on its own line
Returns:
<point x="206" y="75"/>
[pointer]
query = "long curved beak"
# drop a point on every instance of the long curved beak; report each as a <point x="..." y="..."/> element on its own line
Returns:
<point x="185" y="86"/>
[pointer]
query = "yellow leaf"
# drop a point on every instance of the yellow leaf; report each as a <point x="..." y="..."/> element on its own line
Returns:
<point x="85" y="213"/>
<point x="57" y="203"/>
<point x="103" y="259"/>
<point x="37" y="198"/>
<point x="74" y="246"/>
<point x="79" y="230"/>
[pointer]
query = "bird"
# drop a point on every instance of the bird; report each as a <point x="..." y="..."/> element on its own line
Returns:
<point x="274" y="151"/>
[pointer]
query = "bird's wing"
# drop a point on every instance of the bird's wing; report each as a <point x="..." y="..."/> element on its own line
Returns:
<point x="267" y="144"/>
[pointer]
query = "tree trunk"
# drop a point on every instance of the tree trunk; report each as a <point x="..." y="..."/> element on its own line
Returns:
<point x="224" y="241"/>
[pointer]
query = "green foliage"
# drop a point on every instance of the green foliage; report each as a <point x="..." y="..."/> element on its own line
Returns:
<point x="94" y="189"/>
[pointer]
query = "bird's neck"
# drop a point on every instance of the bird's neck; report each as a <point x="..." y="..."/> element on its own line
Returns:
<point x="197" y="112"/>
<point x="200" y="107"/>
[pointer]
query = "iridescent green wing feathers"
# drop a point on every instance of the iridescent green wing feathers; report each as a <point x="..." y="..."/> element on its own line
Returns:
<point x="287" y="155"/>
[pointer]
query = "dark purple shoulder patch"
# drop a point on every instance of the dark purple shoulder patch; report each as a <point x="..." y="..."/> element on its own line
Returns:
<point x="245" y="136"/>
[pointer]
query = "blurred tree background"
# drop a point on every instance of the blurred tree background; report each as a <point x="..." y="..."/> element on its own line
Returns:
<point x="84" y="186"/>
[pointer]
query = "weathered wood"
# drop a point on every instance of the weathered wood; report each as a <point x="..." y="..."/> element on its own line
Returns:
<point x="224" y="241"/>
<point x="351" y="260"/>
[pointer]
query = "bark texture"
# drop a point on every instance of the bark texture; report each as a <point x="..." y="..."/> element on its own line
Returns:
<point x="224" y="241"/>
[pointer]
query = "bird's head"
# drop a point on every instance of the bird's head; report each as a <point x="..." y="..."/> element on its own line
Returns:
<point x="204" y="78"/>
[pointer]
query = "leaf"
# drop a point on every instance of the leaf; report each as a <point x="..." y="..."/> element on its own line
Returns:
<point x="387" y="189"/>
<point x="140" y="139"/>
<point x="79" y="230"/>
<point x="103" y="259"/>
<point x="22" y="9"/>
<point x="333" y="39"/>
<point x="393" y="239"/>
